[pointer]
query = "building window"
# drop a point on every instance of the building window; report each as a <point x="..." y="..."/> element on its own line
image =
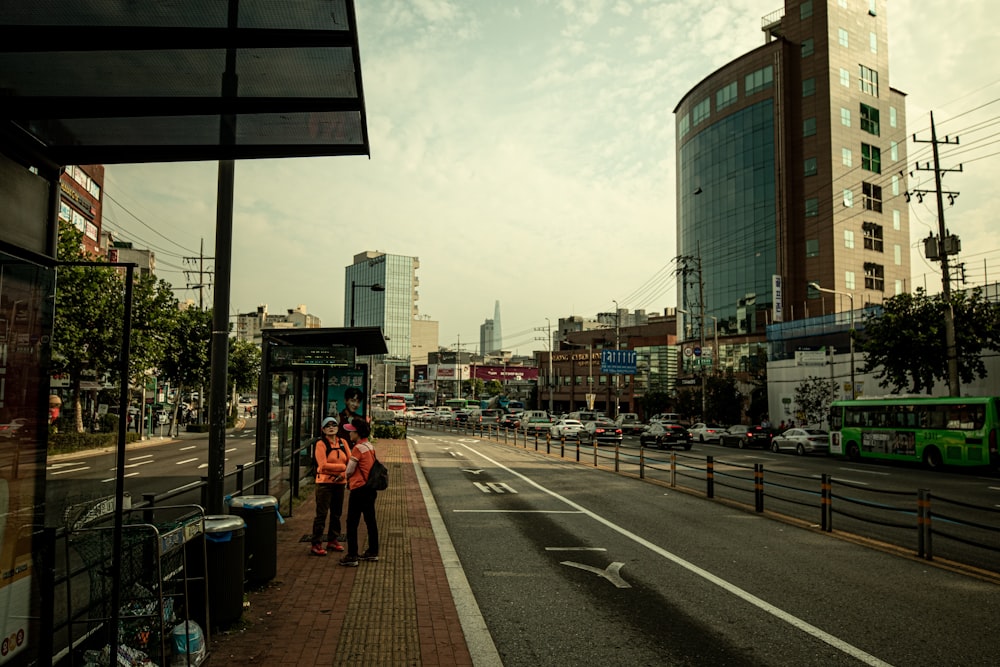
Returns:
<point x="894" y="151"/>
<point x="848" y="198"/>
<point x="892" y="116"/>
<point x="874" y="276"/>
<point x="701" y="111"/>
<point x="871" y="158"/>
<point x="684" y="126"/>
<point x="842" y="3"/>
<point x="849" y="238"/>
<point x="899" y="287"/>
<point x="812" y="207"/>
<point x="812" y="247"/>
<point x="808" y="87"/>
<point x="808" y="47"/>
<point x="871" y="7"/>
<point x="845" y="78"/>
<point x="805" y="9"/>
<point x="725" y="96"/>
<point x="873" y="236"/>
<point x="895" y="219"/>
<point x="873" y="196"/>
<point x="895" y="185"/>
<point x="847" y="157"/>
<point x="869" y="119"/>
<point x="842" y="37"/>
<point x="897" y="254"/>
<point x="868" y="82"/>
<point x="873" y="42"/>
<point x="849" y="280"/>
<point x="810" y="167"/>
<point x="845" y="117"/>
<point x="759" y="80"/>
<point x="808" y="127"/>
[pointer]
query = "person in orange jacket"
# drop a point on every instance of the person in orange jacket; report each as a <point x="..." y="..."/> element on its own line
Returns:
<point x="331" y="455"/>
<point x="362" y="499"/>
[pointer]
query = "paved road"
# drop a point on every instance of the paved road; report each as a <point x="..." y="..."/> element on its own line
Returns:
<point x="572" y="565"/>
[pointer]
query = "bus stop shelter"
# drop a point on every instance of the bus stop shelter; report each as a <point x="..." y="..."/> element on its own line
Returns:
<point x="305" y="376"/>
<point x="97" y="82"/>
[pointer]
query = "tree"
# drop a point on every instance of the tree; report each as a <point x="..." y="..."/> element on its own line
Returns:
<point x="724" y="403"/>
<point x="185" y="361"/>
<point x="473" y="387"/>
<point x="813" y="397"/>
<point x="655" y="402"/>
<point x="154" y="317"/>
<point x="904" y="342"/>
<point x="493" y="388"/>
<point x="88" y="317"/>
<point x="244" y="366"/>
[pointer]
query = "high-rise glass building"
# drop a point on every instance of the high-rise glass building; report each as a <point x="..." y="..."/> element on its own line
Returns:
<point x="393" y="309"/>
<point x="791" y="169"/>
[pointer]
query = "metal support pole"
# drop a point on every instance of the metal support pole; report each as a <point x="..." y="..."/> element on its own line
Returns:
<point x="824" y="503"/>
<point x="710" y="476"/>
<point x="758" y="487"/>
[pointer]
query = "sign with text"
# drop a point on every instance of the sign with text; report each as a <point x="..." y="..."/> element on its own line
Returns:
<point x="618" y="362"/>
<point x="291" y="356"/>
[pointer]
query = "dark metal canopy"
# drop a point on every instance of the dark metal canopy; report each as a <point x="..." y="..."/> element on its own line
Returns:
<point x="366" y="340"/>
<point x="108" y="81"/>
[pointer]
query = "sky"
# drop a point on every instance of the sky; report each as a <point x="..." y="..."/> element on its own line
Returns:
<point x="524" y="152"/>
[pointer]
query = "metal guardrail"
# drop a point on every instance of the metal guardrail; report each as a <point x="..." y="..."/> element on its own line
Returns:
<point x="910" y="512"/>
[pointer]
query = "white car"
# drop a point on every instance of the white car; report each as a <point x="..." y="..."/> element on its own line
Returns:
<point x="802" y="441"/>
<point x="570" y="428"/>
<point x="444" y="414"/>
<point x="703" y="432"/>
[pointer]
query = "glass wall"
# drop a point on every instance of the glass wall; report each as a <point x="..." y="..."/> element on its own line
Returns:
<point x="728" y="216"/>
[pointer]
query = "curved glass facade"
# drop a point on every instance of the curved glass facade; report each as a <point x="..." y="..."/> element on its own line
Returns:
<point x="728" y="215"/>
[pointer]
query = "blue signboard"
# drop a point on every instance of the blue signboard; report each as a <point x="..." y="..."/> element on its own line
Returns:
<point x="618" y="362"/>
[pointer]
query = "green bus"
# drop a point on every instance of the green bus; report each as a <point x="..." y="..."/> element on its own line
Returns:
<point x="934" y="431"/>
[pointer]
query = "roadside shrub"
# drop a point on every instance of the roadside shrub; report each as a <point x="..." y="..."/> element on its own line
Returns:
<point x="66" y="443"/>
<point x="389" y="431"/>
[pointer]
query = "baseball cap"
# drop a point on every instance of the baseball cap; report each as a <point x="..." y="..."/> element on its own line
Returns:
<point x="327" y="421"/>
<point x="349" y="427"/>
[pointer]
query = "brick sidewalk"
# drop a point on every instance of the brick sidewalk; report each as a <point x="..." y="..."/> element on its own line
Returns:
<point x="398" y="611"/>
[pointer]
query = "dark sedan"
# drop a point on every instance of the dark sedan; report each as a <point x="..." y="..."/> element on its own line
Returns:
<point x="665" y="435"/>
<point x="509" y="421"/>
<point x="603" y="431"/>
<point x="747" y="435"/>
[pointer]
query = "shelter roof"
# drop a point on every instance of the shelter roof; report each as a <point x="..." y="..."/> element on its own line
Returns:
<point x="365" y="340"/>
<point x="106" y="81"/>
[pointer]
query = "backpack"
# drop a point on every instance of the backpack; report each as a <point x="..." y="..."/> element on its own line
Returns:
<point x="329" y="448"/>
<point x="378" y="476"/>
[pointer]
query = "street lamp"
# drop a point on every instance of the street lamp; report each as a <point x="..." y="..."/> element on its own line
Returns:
<point x="815" y="286"/>
<point x="377" y="287"/>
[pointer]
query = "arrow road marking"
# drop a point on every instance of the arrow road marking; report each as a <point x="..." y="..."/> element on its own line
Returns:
<point x="610" y="572"/>
<point x="457" y="455"/>
<point x="474" y="472"/>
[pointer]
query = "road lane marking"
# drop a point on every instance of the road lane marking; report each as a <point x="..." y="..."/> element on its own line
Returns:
<point x="575" y="549"/>
<point x="63" y="472"/>
<point x="112" y="479"/>
<point x="517" y="512"/>
<point x="184" y="449"/>
<point x="727" y="586"/>
<point x="231" y="449"/>
<point x="473" y="471"/>
<point x="137" y="458"/>
<point x="134" y="465"/>
<point x="494" y="487"/>
<point x="186" y="461"/>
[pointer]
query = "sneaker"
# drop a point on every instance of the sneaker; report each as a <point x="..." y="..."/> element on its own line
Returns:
<point x="334" y="546"/>
<point x="369" y="556"/>
<point x="350" y="561"/>
<point x="318" y="550"/>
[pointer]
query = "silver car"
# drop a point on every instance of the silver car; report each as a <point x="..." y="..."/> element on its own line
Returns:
<point x="570" y="428"/>
<point x="802" y="441"/>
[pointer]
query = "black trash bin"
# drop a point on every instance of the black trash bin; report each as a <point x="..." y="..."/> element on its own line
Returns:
<point x="224" y="544"/>
<point x="261" y="550"/>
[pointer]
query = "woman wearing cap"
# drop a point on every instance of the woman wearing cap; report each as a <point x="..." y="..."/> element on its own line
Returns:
<point x="362" y="499"/>
<point x="331" y="455"/>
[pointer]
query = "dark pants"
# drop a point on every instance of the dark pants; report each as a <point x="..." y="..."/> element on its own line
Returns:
<point x="329" y="500"/>
<point x="361" y="503"/>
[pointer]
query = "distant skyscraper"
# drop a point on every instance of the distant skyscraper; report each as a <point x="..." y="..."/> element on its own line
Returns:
<point x="497" y="330"/>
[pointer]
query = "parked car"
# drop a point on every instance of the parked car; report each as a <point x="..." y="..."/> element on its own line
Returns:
<point x="536" y="425"/>
<point x="603" y="431"/>
<point x="703" y="432"/>
<point x="10" y="429"/>
<point x="586" y="415"/>
<point x="570" y="428"/>
<point x="444" y="414"/>
<point x="747" y="435"/>
<point x="669" y="417"/>
<point x="802" y="441"/>
<point x="664" y="435"/>
<point x="630" y="423"/>
<point x="511" y="421"/>
<point x="490" y="415"/>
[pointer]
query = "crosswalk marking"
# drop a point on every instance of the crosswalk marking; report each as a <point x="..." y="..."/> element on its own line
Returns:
<point x="494" y="487"/>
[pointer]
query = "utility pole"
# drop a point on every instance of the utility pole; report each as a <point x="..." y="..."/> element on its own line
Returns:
<point x="618" y="346"/>
<point x="946" y="245"/>
<point x="684" y="270"/>
<point x="201" y="284"/>
<point x="548" y="338"/>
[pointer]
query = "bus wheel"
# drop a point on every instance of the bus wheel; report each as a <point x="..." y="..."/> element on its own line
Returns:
<point x="932" y="458"/>
<point x="853" y="451"/>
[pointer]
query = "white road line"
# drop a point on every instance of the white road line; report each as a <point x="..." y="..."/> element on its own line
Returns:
<point x="575" y="549"/>
<point x="518" y="512"/>
<point x="134" y="465"/>
<point x="184" y="449"/>
<point x="111" y="479"/>
<point x="231" y="449"/>
<point x="63" y="472"/>
<point x="203" y="465"/>
<point x="144" y="456"/>
<point x="760" y="603"/>
<point x="868" y="472"/>
<point x="185" y="461"/>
